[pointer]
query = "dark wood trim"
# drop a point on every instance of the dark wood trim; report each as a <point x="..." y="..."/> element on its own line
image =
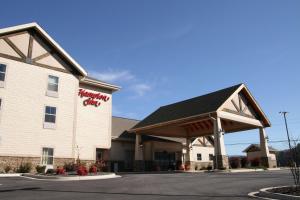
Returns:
<point x="11" y="57"/>
<point x="50" y="67"/>
<point x="236" y="107"/>
<point x="33" y="63"/>
<point x="30" y="45"/>
<point x="199" y="123"/>
<point x="240" y="103"/>
<point x="202" y="142"/>
<point x="238" y="113"/>
<point x="41" y="56"/>
<point x="206" y="124"/>
<point x="13" y="34"/>
<point x="14" y="47"/>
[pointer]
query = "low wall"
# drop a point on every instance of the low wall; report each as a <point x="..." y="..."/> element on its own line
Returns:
<point x="15" y="161"/>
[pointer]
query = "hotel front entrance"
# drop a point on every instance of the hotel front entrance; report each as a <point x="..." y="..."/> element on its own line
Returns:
<point x="209" y="116"/>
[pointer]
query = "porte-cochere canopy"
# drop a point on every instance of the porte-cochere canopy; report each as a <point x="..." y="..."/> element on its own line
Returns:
<point x="228" y="110"/>
<point x="235" y="105"/>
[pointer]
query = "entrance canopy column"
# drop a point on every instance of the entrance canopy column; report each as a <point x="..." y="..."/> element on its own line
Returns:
<point x="221" y="159"/>
<point x="188" y="154"/>
<point x="264" y="148"/>
<point x="138" y="153"/>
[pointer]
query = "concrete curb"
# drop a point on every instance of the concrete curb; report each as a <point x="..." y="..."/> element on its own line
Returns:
<point x="10" y="175"/>
<point x="265" y="194"/>
<point x="73" y="178"/>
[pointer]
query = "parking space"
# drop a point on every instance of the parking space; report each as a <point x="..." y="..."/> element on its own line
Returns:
<point x="147" y="186"/>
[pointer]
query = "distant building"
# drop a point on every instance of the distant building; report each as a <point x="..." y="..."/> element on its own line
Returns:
<point x="254" y="152"/>
<point x="159" y="153"/>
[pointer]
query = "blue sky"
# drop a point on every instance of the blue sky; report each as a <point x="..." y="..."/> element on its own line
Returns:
<point x="162" y="52"/>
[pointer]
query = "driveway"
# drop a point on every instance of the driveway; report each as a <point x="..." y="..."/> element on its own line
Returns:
<point x="147" y="186"/>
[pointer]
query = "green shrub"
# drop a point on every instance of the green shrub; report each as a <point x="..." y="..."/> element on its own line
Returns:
<point x="24" y="168"/>
<point x="235" y="162"/>
<point x="70" y="167"/>
<point x="7" y="168"/>
<point x="50" y="171"/>
<point x="40" y="169"/>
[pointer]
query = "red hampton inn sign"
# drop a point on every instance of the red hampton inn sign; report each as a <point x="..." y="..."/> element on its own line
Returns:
<point x="93" y="99"/>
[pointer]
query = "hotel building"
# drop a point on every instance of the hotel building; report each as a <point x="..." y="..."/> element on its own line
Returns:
<point x="51" y="111"/>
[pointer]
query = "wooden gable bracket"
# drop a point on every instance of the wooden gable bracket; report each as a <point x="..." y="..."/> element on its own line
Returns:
<point x="28" y="59"/>
<point x="14" y="47"/>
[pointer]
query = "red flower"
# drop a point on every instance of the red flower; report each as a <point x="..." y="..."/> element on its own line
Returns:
<point x="60" y="171"/>
<point x="82" y="171"/>
<point x="93" y="169"/>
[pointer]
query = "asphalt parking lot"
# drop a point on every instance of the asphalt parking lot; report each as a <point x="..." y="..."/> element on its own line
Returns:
<point x="146" y="186"/>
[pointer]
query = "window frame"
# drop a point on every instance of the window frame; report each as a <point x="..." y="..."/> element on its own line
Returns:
<point x="44" y="157"/>
<point x="51" y="93"/>
<point x="3" y="83"/>
<point x="198" y="157"/>
<point x="49" y="125"/>
<point x="210" y="157"/>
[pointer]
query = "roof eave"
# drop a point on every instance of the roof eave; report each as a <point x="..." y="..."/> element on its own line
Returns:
<point x="100" y="84"/>
<point x="143" y="128"/>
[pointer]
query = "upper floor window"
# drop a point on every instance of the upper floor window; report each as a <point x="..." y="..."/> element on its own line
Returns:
<point x="50" y="117"/>
<point x="52" y="87"/>
<point x="50" y="114"/>
<point x="53" y="83"/>
<point x="199" y="156"/>
<point x="2" y="74"/>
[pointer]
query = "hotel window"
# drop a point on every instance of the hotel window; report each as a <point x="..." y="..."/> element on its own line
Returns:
<point x="211" y="157"/>
<point x="199" y="156"/>
<point x="47" y="156"/>
<point x="50" y="117"/>
<point x="52" y="88"/>
<point x="2" y="74"/>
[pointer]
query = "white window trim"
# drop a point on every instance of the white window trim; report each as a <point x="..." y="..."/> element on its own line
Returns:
<point x="50" y="93"/>
<point x="48" y="125"/>
<point x="41" y="161"/>
<point x="3" y="83"/>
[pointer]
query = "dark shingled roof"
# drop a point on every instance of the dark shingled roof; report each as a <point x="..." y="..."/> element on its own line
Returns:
<point x="257" y="146"/>
<point x="121" y="126"/>
<point x="190" y="107"/>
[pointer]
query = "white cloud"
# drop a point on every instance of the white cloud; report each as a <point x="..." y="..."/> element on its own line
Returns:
<point x="113" y="75"/>
<point x="140" y="89"/>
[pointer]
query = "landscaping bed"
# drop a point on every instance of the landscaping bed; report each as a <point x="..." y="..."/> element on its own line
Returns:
<point x="289" y="190"/>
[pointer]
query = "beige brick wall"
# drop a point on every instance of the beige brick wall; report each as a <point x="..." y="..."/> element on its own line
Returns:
<point x="93" y="128"/>
<point x="204" y="151"/>
<point x="22" y="115"/>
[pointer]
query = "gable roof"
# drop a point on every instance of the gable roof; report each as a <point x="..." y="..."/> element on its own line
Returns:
<point x="49" y="39"/>
<point x="83" y="75"/>
<point x="191" y="107"/>
<point x="257" y="147"/>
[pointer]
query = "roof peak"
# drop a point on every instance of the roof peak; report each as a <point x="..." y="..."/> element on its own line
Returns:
<point x="220" y="90"/>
